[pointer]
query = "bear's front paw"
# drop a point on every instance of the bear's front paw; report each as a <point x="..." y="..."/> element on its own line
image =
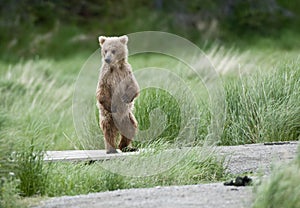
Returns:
<point x="126" y="99"/>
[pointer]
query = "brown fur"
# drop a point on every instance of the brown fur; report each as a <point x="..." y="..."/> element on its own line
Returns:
<point x="116" y="90"/>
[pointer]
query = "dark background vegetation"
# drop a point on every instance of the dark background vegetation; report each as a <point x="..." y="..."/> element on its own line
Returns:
<point x="31" y="28"/>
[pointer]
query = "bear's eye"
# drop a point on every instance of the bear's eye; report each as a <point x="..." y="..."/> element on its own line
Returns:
<point x="113" y="51"/>
<point x="105" y="51"/>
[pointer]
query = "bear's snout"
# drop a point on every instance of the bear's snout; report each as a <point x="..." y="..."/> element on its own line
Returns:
<point x="107" y="60"/>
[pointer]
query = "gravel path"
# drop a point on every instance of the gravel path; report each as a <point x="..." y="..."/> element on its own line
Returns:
<point x="241" y="159"/>
<point x="257" y="157"/>
<point x="203" y="195"/>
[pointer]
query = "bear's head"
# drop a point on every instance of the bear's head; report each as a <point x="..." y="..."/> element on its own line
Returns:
<point x="113" y="49"/>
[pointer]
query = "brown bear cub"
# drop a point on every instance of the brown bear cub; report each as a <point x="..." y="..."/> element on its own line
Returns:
<point x="116" y="90"/>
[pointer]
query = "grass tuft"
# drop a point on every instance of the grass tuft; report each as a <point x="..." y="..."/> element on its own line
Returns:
<point x="263" y="107"/>
<point x="282" y="189"/>
<point x="9" y="192"/>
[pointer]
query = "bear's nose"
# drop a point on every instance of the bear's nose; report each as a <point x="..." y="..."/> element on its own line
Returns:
<point x="107" y="60"/>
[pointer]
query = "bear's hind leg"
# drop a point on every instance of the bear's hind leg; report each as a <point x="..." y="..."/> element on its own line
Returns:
<point x="128" y="130"/>
<point x="110" y="133"/>
<point x="124" y="142"/>
<point x="124" y="145"/>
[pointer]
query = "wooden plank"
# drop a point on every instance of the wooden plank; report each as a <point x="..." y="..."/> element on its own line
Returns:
<point x="83" y="155"/>
<point x="100" y="155"/>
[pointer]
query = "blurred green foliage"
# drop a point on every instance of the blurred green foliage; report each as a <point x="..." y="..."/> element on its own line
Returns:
<point x="52" y="28"/>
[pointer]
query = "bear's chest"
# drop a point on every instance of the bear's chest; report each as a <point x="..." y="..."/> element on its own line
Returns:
<point x="114" y="78"/>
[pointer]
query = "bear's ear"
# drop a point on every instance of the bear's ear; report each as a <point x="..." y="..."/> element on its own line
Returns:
<point x="101" y="40"/>
<point x="124" y="39"/>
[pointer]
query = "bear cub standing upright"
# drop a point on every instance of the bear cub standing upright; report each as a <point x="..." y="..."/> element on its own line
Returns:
<point x="116" y="90"/>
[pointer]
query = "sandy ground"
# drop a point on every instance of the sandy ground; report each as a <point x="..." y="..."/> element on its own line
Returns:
<point x="244" y="158"/>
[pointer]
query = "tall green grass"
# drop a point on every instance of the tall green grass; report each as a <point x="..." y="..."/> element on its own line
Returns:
<point x="264" y="106"/>
<point x="165" y="103"/>
<point x="261" y="97"/>
<point x="35" y="105"/>
<point x="34" y="115"/>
